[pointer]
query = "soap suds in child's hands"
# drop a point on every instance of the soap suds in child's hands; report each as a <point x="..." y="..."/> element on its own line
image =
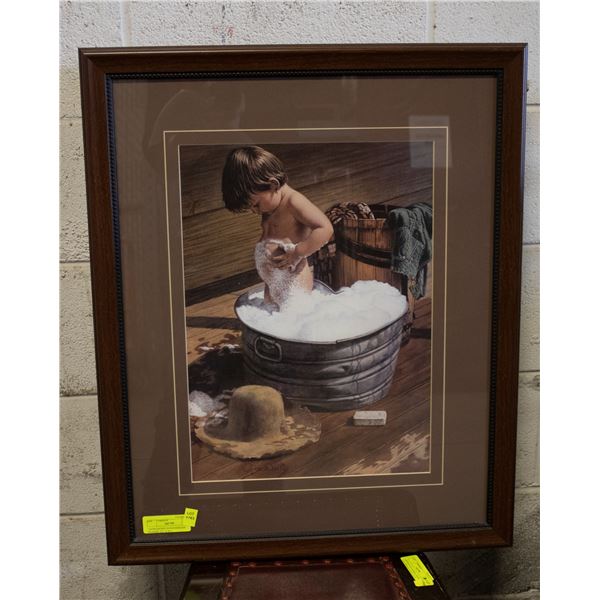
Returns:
<point x="282" y="282"/>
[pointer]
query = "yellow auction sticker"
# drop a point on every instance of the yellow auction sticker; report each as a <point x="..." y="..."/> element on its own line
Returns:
<point x="190" y="515"/>
<point x="418" y="570"/>
<point x="170" y="523"/>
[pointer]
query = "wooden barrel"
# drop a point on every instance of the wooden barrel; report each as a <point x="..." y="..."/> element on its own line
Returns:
<point x="363" y="252"/>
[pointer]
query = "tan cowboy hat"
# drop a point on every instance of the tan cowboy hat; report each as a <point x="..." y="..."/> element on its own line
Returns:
<point x="256" y="425"/>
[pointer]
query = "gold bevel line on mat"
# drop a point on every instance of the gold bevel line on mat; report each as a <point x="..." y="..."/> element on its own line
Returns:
<point x="171" y="308"/>
<point x="349" y="476"/>
<point x="445" y="305"/>
<point x="183" y="282"/>
<point x="305" y="129"/>
<point x="299" y="490"/>
<point x="431" y="346"/>
<point x="431" y="358"/>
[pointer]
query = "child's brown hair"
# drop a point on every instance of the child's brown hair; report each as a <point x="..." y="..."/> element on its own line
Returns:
<point x="248" y="170"/>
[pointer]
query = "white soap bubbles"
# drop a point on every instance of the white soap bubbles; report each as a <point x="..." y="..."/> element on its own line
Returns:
<point x="363" y="308"/>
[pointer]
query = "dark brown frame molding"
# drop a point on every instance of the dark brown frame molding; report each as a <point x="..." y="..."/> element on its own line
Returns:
<point x="98" y="67"/>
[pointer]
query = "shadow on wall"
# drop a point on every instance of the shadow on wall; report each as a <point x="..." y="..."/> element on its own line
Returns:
<point x="497" y="571"/>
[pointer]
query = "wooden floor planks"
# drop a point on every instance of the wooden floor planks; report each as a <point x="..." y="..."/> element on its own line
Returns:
<point x="402" y="445"/>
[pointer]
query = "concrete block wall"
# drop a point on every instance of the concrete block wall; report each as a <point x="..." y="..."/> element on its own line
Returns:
<point x="510" y="573"/>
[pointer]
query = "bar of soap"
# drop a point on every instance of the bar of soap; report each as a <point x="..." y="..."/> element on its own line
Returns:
<point x="370" y="417"/>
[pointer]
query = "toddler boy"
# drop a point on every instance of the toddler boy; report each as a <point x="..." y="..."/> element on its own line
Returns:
<point x="293" y="227"/>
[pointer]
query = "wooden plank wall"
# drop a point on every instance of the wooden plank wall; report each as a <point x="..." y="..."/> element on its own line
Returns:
<point x="219" y="244"/>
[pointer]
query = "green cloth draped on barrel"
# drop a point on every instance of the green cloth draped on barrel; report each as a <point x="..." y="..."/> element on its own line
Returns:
<point x="412" y="246"/>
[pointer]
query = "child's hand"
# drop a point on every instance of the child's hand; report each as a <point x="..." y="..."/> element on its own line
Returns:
<point x="289" y="259"/>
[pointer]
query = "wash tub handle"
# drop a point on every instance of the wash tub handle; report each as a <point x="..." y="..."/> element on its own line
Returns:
<point x="271" y="350"/>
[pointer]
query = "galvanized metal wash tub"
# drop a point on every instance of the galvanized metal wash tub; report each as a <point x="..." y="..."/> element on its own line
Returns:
<point x="341" y="375"/>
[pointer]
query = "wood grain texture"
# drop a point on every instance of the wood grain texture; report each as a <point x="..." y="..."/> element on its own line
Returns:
<point x="402" y="445"/>
<point x="374" y="173"/>
<point x="330" y="171"/>
<point x="96" y="68"/>
<point x="105" y="293"/>
<point x="507" y="281"/>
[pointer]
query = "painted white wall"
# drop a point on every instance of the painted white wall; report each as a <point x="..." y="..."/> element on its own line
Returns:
<point x="511" y="572"/>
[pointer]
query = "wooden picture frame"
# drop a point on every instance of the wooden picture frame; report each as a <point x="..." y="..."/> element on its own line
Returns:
<point x="456" y="112"/>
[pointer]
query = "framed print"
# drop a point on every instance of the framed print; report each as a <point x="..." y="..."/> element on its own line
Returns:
<point x="306" y="284"/>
